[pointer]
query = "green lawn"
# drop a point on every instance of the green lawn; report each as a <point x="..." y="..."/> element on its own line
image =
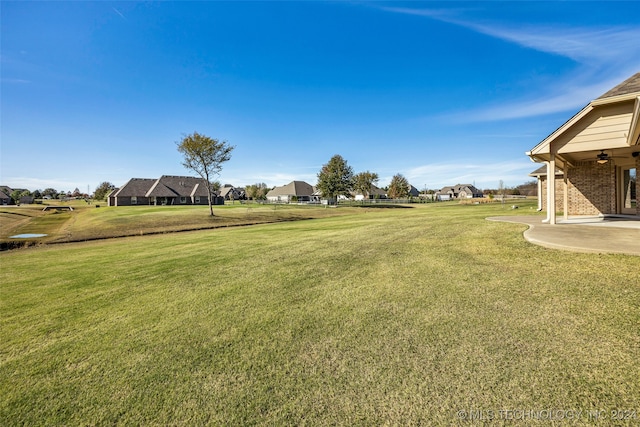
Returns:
<point x="86" y="222"/>
<point x="375" y="317"/>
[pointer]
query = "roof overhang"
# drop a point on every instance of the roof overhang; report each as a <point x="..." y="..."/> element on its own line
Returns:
<point x="623" y="145"/>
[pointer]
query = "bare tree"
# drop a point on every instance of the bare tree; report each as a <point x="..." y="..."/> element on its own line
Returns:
<point x="205" y="156"/>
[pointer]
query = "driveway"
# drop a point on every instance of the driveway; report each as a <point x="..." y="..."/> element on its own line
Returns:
<point x="595" y="235"/>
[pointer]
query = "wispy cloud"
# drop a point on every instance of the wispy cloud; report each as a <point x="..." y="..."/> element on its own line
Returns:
<point x="60" y="184"/>
<point x="15" y="81"/>
<point x="604" y="57"/>
<point x="483" y="174"/>
<point x="119" y="13"/>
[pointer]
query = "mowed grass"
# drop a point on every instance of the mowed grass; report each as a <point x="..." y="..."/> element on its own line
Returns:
<point x="86" y="222"/>
<point x="378" y="317"/>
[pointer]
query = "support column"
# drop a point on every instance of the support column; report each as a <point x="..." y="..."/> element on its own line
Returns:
<point x="539" y="194"/>
<point x="565" y="191"/>
<point x="551" y="190"/>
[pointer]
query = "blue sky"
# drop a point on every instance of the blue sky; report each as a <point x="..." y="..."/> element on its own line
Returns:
<point x="441" y="92"/>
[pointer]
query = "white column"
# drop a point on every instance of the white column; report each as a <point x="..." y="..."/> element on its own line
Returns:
<point x="539" y="194"/>
<point x="551" y="190"/>
<point x="565" y="188"/>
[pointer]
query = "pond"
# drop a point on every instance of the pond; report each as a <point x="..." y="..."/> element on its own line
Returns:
<point x="27" y="236"/>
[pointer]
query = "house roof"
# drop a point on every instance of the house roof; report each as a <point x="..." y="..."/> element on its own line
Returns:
<point x="468" y="188"/>
<point x="134" y="187"/>
<point x="182" y="186"/>
<point x="165" y="186"/>
<point x="294" y="188"/>
<point x="542" y="171"/>
<point x="160" y="190"/>
<point x="374" y="191"/>
<point x="3" y="195"/>
<point x="610" y="122"/>
<point x="631" y="85"/>
<point x="226" y="190"/>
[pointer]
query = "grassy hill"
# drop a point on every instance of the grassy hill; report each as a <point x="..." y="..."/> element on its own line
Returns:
<point x="426" y="315"/>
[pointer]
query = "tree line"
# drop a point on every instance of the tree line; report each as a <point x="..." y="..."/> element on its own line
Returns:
<point x="205" y="156"/>
<point x="336" y="178"/>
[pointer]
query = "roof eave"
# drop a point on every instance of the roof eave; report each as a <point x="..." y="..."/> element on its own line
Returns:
<point x="543" y="147"/>
<point x="633" y="137"/>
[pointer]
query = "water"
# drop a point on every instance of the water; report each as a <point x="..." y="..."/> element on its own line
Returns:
<point x="27" y="236"/>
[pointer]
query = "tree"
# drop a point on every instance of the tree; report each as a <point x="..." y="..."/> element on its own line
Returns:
<point x="335" y="178"/>
<point x="17" y="194"/>
<point x="51" y="192"/>
<point x="257" y="191"/>
<point x="103" y="190"/>
<point x="363" y="182"/>
<point x="399" y="187"/>
<point x="205" y="156"/>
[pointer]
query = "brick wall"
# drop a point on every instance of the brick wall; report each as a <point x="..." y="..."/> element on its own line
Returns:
<point x="592" y="189"/>
<point x="637" y="186"/>
<point x="559" y="193"/>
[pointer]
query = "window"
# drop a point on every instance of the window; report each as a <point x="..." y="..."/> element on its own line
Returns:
<point x="198" y="199"/>
<point x="183" y="200"/>
<point x="134" y="200"/>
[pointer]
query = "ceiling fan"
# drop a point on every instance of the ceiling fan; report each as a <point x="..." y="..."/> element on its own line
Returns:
<point x="602" y="157"/>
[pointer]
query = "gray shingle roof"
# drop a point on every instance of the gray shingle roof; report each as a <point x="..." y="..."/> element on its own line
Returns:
<point x="183" y="186"/>
<point x="294" y="188"/>
<point x="135" y="187"/>
<point x="542" y="171"/>
<point x="631" y="85"/>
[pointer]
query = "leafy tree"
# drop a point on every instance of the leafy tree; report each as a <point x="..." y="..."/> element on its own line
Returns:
<point x="103" y="190"/>
<point x="51" y="192"/>
<point x="399" y="187"/>
<point x="205" y="156"/>
<point x="16" y="194"/>
<point x="335" y="178"/>
<point x="257" y="191"/>
<point x="37" y="194"/>
<point x="363" y="181"/>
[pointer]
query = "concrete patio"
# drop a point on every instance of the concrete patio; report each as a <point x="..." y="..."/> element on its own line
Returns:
<point x="582" y="234"/>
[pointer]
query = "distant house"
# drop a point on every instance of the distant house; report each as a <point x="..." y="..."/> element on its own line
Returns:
<point x="413" y="191"/>
<point x="4" y="198"/>
<point x="374" y="193"/>
<point x="26" y="200"/>
<point x="460" y="191"/>
<point x="229" y="192"/>
<point x="299" y="191"/>
<point x="166" y="190"/>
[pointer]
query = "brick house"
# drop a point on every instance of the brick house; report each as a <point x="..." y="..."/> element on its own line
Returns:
<point x="459" y="191"/>
<point x="298" y="191"/>
<point x="166" y="190"/>
<point x="597" y="153"/>
<point x="5" y="199"/>
<point x="541" y="176"/>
